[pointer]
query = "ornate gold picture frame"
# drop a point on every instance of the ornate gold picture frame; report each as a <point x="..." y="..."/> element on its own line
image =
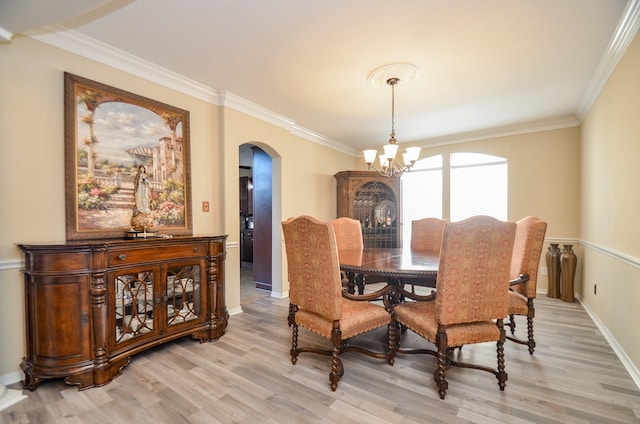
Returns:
<point x="112" y="138"/>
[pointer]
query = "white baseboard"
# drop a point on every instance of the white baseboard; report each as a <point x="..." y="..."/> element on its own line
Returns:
<point x="280" y="295"/>
<point x="617" y="349"/>
<point x="10" y="378"/>
<point x="235" y="311"/>
<point x="9" y="396"/>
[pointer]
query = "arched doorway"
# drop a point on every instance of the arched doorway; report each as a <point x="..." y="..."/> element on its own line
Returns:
<point x="260" y="232"/>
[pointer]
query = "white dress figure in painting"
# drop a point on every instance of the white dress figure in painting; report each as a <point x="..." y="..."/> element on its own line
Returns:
<point x="142" y="219"/>
<point x="141" y="190"/>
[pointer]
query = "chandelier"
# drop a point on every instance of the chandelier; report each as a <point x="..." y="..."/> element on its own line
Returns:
<point x="389" y="165"/>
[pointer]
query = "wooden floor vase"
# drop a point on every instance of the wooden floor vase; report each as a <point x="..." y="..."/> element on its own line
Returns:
<point x="568" y="262"/>
<point x="552" y="259"/>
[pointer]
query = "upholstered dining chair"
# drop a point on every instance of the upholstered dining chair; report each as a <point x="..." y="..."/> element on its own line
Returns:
<point x="471" y="298"/>
<point x="317" y="301"/>
<point x="426" y="236"/>
<point x="348" y="237"/>
<point x="348" y="233"/>
<point x="530" y="232"/>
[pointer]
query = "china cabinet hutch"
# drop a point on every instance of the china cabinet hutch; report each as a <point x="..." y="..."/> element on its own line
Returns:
<point x="91" y="305"/>
<point x="374" y="200"/>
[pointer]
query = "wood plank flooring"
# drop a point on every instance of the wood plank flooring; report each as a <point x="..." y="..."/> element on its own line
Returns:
<point x="247" y="377"/>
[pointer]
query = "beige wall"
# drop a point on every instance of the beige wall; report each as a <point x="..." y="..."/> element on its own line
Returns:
<point x="544" y="175"/>
<point x="611" y="207"/>
<point x="303" y="183"/>
<point x="32" y="134"/>
<point x="32" y="169"/>
<point x="32" y="162"/>
<point x="544" y="181"/>
<point x="575" y="187"/>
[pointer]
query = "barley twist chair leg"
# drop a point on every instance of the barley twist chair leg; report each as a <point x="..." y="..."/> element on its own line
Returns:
<point x="294" y="344"/>
<point x="392" y="343"/>
<point x="501" y="374"/>
<point x="336" y="368"/>
<point x="512" y="324"/>
<point x="531" y="343"/>
<point x="439" y="376"/>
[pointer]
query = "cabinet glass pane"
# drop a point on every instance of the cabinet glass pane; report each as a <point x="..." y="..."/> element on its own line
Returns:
<point x="134" y="305"/>
<point x="375" y="206"/>
<point x="183" y="294"/>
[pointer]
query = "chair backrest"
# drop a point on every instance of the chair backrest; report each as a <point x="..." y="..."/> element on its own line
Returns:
<point x="473" y="275"/>
<point x="426" y="234"/>
<point x="348" y="233"/>
<point x="313" y="267"/>
<point x="527" y="248"/>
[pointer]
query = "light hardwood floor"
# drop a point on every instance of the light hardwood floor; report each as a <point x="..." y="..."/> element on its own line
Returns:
<point x="247" y="377"/>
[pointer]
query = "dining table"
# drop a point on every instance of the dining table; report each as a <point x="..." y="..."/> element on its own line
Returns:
<point x="394" y="265"/>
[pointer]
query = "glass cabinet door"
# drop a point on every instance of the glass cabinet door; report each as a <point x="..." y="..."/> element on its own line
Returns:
<point x="183" y="293"/>
<point x="375" y="206"/>
<point x="134" y="305"/>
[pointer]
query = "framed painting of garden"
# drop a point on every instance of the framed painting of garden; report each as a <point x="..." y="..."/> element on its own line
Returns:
<point x="127" y="163"/>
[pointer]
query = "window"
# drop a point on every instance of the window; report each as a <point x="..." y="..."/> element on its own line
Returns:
<point x="421" y="192"/>
<point x="477" y="185"/>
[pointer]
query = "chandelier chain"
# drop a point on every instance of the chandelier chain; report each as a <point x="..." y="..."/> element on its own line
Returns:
<point x="393" y="110"/>
<point x="392" y="82"/>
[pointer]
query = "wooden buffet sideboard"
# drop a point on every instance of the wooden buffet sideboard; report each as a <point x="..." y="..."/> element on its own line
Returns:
<point x="90" y="305"/>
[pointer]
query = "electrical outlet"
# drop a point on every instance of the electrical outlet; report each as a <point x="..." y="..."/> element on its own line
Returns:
<point x="205" y="206"/>
<point x="543" y="270"/>
<point x="595" y="289"/>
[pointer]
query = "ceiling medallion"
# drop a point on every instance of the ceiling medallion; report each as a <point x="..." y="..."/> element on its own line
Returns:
<point x="404" y="72"/>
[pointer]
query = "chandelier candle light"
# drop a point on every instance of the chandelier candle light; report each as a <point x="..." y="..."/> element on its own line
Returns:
<point x="389" y="165"/>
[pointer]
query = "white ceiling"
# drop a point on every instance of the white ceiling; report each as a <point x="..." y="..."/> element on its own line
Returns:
<point x="487" y="67"/>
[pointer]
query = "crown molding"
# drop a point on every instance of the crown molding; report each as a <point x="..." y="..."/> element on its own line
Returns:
<point x="622" y="37"/>
<point x="74" y="42"/>
<point x="508" y="130"/>
<point x="90" y="48"/>
<point x="5" y="36"/>
<point x="252" y="109"/>
<point x="325" y="141"/>
<point x="103" y="53"/>
<point x="243" y="105"/>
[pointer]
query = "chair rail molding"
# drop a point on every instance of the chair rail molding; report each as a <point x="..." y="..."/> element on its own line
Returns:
<point x="619" y="256"/>
<point x="7" y="264"/>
